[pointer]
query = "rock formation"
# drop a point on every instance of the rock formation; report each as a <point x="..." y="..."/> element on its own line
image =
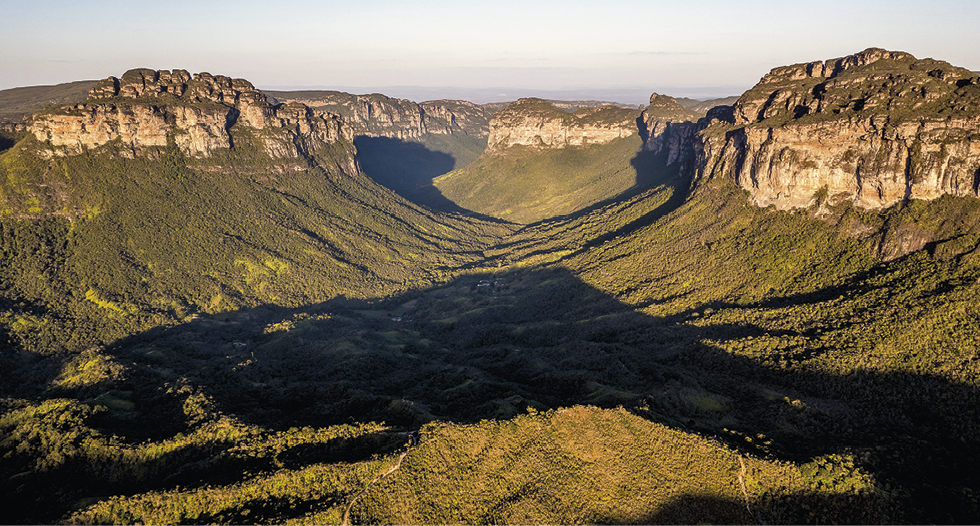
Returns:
<point x="668" y="126"/>
<point x="876" y="127"/>
<point x="535" y="123"/>
<point x="147" y="109"/>
<point x="381" y="116"/>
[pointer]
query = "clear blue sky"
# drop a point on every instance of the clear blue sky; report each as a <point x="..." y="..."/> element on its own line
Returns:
<point x="694" y="48"/>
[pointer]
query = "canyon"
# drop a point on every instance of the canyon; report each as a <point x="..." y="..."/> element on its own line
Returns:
<point x="213" y="311"/>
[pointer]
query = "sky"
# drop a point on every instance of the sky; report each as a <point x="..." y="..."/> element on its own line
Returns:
<point x="494" y="49"/>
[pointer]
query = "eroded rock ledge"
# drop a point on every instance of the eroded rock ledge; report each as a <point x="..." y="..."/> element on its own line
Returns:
<point x="378" y="115"/>
<point x="146" y="108"/>
<point x="535" y="123"/>
<point x="877" y="127"/>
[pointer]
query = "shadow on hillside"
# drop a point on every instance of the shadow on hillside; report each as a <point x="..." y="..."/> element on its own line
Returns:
<point x="6" y="143"/>
<point x="24" y="374"/>
<point x="408" y="168"/>
<point x="652" y="172"/>
<point x="805" y="508"/>
<point x="497" y="345"/>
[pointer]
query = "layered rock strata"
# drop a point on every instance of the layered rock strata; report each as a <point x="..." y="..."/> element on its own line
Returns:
<point x="146" y="109"/>
<point x="535" y="123"/>
<point x="381" y="116"/>
<point x="666" y="126"/>
<point x="877" y="128"/>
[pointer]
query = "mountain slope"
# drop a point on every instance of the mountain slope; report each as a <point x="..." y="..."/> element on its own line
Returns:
<point x="404" y="145"/>
<point x="737" y="363"/>
<point x="542" y="161"/>
<point x="16" y="103"/>
<point x="877" y="127"/>
<point x="159" y="211"/>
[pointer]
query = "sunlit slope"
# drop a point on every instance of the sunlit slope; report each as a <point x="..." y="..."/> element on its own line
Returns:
<point x="584" y="465"/>
<point x="574" y="465"/>
<point x="543" y="162"/>
<point x="886" y="349"/>
<point x="524" y="186"/>
<point x="164" y="236"/>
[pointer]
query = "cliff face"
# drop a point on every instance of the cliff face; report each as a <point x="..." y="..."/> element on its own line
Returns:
<point x="380" y="116"/>
<point x="877" y="127"/>
<point x="668" y="126"/>
<point x="537" y="124"/>
<point x="146" y="108"/>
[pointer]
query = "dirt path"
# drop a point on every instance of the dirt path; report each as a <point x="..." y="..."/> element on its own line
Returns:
<point x="346" y="521"/>
<point x="741" y="482"/>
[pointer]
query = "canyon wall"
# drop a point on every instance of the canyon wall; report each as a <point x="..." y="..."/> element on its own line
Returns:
<point x="146" y="109"/>
<point x="535" y="123"/>
<point x="377" y="115"/>
<point x="876" y="127"/>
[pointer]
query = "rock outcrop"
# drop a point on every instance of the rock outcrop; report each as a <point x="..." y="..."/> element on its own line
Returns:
<point x="377" y="115"/>
<point x="535" y="123"/>
<point x="877" y="128"/>
<point x="147" y="109"/>
<point x="666" y="126"/>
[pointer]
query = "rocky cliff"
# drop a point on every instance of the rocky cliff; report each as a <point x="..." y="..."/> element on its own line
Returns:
<point x="377" y="115"/>
<point x="535" y="123"/>
<point x="147" y="109"/>
<point x="876" y="127"/>
<point x="666" y="126"/>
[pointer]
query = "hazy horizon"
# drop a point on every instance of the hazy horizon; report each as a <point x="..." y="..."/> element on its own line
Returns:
<point x="636" y="96"/>
<point x="698" y="49"/>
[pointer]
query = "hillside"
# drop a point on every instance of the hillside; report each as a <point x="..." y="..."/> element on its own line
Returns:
<point x="17" y="103"/>
<point x="542" y="162"/>
<point x="404" y="145"/>
<point x="164" y="207"/>
<point x="667" y="346"/>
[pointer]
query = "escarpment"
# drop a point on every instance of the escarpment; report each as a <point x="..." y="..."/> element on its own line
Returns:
<point x="542" y="161"/>
<point x="876" y="128"/>
<point x="667" y="127"/>
<point x="147" y="109"/>
<point x="377" y="115"/>
<point x="535" y="123"/>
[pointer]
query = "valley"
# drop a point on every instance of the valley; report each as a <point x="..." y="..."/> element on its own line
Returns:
<point x="224" y="305"/>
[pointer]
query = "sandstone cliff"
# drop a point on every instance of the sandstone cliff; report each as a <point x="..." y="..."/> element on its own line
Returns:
<point x="147" y="109"/>
<point x="666" y="126"/>
<point x="537" y="124"/>
<point x="876" y="127"/>
<point x="377" y="115"/>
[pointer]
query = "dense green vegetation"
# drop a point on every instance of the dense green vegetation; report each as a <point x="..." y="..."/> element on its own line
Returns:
<point x="243" y="339"/>
<point x="131" y="242"/>
<point x="410" y="167"/>
<point x="584" y="465"/>
<point x="523" y="185"/>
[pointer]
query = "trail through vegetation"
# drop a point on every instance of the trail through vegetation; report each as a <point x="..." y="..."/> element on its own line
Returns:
<point x="673" y="354"/>
<point x="392" y="469"/>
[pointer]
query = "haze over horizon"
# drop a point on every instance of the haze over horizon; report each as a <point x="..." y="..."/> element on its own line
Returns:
<point x="618" y="51"/>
